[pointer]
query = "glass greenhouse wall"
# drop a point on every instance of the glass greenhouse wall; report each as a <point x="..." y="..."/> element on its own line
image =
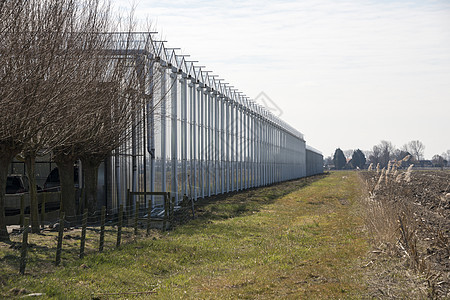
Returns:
<point x="199" y="137"/>
<point x="314" y="161"/>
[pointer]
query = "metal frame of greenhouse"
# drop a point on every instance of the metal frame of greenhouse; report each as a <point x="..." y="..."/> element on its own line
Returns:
<point x="198" y="136"/>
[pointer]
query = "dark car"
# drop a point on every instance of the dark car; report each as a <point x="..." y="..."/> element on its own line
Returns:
<point x="17" y="183"/>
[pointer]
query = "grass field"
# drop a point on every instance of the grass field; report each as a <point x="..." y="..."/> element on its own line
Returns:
<point x="299" y="239"/>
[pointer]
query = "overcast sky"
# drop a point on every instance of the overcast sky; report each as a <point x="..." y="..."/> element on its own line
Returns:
<point x="344" y="73"/>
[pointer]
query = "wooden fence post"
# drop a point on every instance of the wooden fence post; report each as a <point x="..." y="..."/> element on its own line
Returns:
<point x="166" y="210"/>
<point x="83" y="233"/>
<point x="60" y="238"/>
<point x="128" y="207"/>
<point x="44" y="200"/>
<point x="186" y="203"/>
<point x="60" y="202"/>
<point x="82" y="203"/>
<point x="119" y="226"/>
<point x="149" y="212"/>
<point x="171" y="216"/>
<point x="102" y="229"/>
<point x="193" y="208"/>
<point x="23" y="254"/>
<point x="136" y="217"/>
<point x="22" y="210"/>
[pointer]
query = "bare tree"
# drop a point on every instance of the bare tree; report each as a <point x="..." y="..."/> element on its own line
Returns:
<point x="106" y="105"/>
<point x="416" y="148"/>
<point x="51" y="58"/>
<point x="387" y="152"/>
<point x="446" y="156"/>
<point x="111" y="131"/>
<point x="438" y="161"/>
<point x="374" y="155"/>
<point x="382" y="153"/>
<point x="56" y="25"/>
<point x="113" y="123"/>
<point x="19" y="74"/>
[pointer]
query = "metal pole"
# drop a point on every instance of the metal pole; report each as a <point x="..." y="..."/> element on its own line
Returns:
<point x="258" y="146"/>
<point x="241" y="147"/>
<point x="201" y="134"/>
<point x="269" y="154"/>
<point x="183" y="135"/>
<point x="163" y="132"/>
<point x="151" y="132"/>
<point x="140" y="67"/>
<point x="255" y="151"/>
<point x="261" y="149"/>
<point x="174" y="137"/>
<point x="194" y="140"/>
<point x="264" y="150"/>
<point x="232" y="144"/>
<point x="208" y="142"/>
<point x="117" y="175"/>
<point x="238" y="145"/>
<point x="216" y="143"/>
<point x="252" y="150"/>
<point x="275" y="143"/>
<point x="244" y="145"/>
<point x="222" y="143"/>
<point x="248" y="158"/>
<point x="228" y="166"/>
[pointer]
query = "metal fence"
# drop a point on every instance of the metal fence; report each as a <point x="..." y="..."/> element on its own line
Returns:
<point x="198" y="136"/>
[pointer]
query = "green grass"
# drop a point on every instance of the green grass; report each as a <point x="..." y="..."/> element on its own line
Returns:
<point x="300" y="239"/>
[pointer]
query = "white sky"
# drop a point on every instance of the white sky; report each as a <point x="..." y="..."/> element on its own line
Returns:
<point x="344" y="73"/>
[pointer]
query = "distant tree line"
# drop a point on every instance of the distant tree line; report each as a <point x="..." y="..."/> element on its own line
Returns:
<point x="384" y="152"/>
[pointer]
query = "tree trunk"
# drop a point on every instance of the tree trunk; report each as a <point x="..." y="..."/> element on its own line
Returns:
<point x="7" y="154"/>
<point x="90" y="169"/>
<point x="5" y="160"/>
<point x="66" y="179"/>
<point x="30" y="160"/>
